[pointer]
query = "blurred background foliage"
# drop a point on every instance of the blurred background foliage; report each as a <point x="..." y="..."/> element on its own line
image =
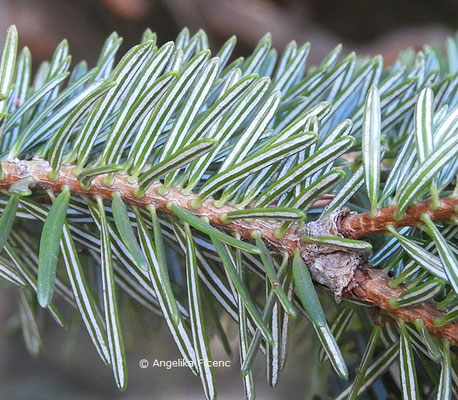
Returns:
<point x="69" y="368"/>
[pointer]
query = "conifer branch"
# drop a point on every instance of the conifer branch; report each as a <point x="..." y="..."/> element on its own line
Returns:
<point x="356" y="226"/>
<point x="366" y="284"/>
<point x="174" y="146"/>
<point x="372" y="287"/>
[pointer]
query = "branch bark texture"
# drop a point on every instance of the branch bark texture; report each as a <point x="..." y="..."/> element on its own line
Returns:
<point x="356" y="226"/>
<point x="344" y="272"/>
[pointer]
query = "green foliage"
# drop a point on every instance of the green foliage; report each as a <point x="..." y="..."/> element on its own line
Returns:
<point x="49" y="247"/>
<point x="122" y="222"/>
<point x="255" y="140"/>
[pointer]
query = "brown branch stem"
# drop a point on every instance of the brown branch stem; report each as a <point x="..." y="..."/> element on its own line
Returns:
<point x="372" y="287"/>
<point x="366" y="284"/>
<point x="359" y="225"/>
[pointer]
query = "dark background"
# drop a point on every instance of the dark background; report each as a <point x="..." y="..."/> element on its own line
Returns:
<point x="68" y="367"/>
